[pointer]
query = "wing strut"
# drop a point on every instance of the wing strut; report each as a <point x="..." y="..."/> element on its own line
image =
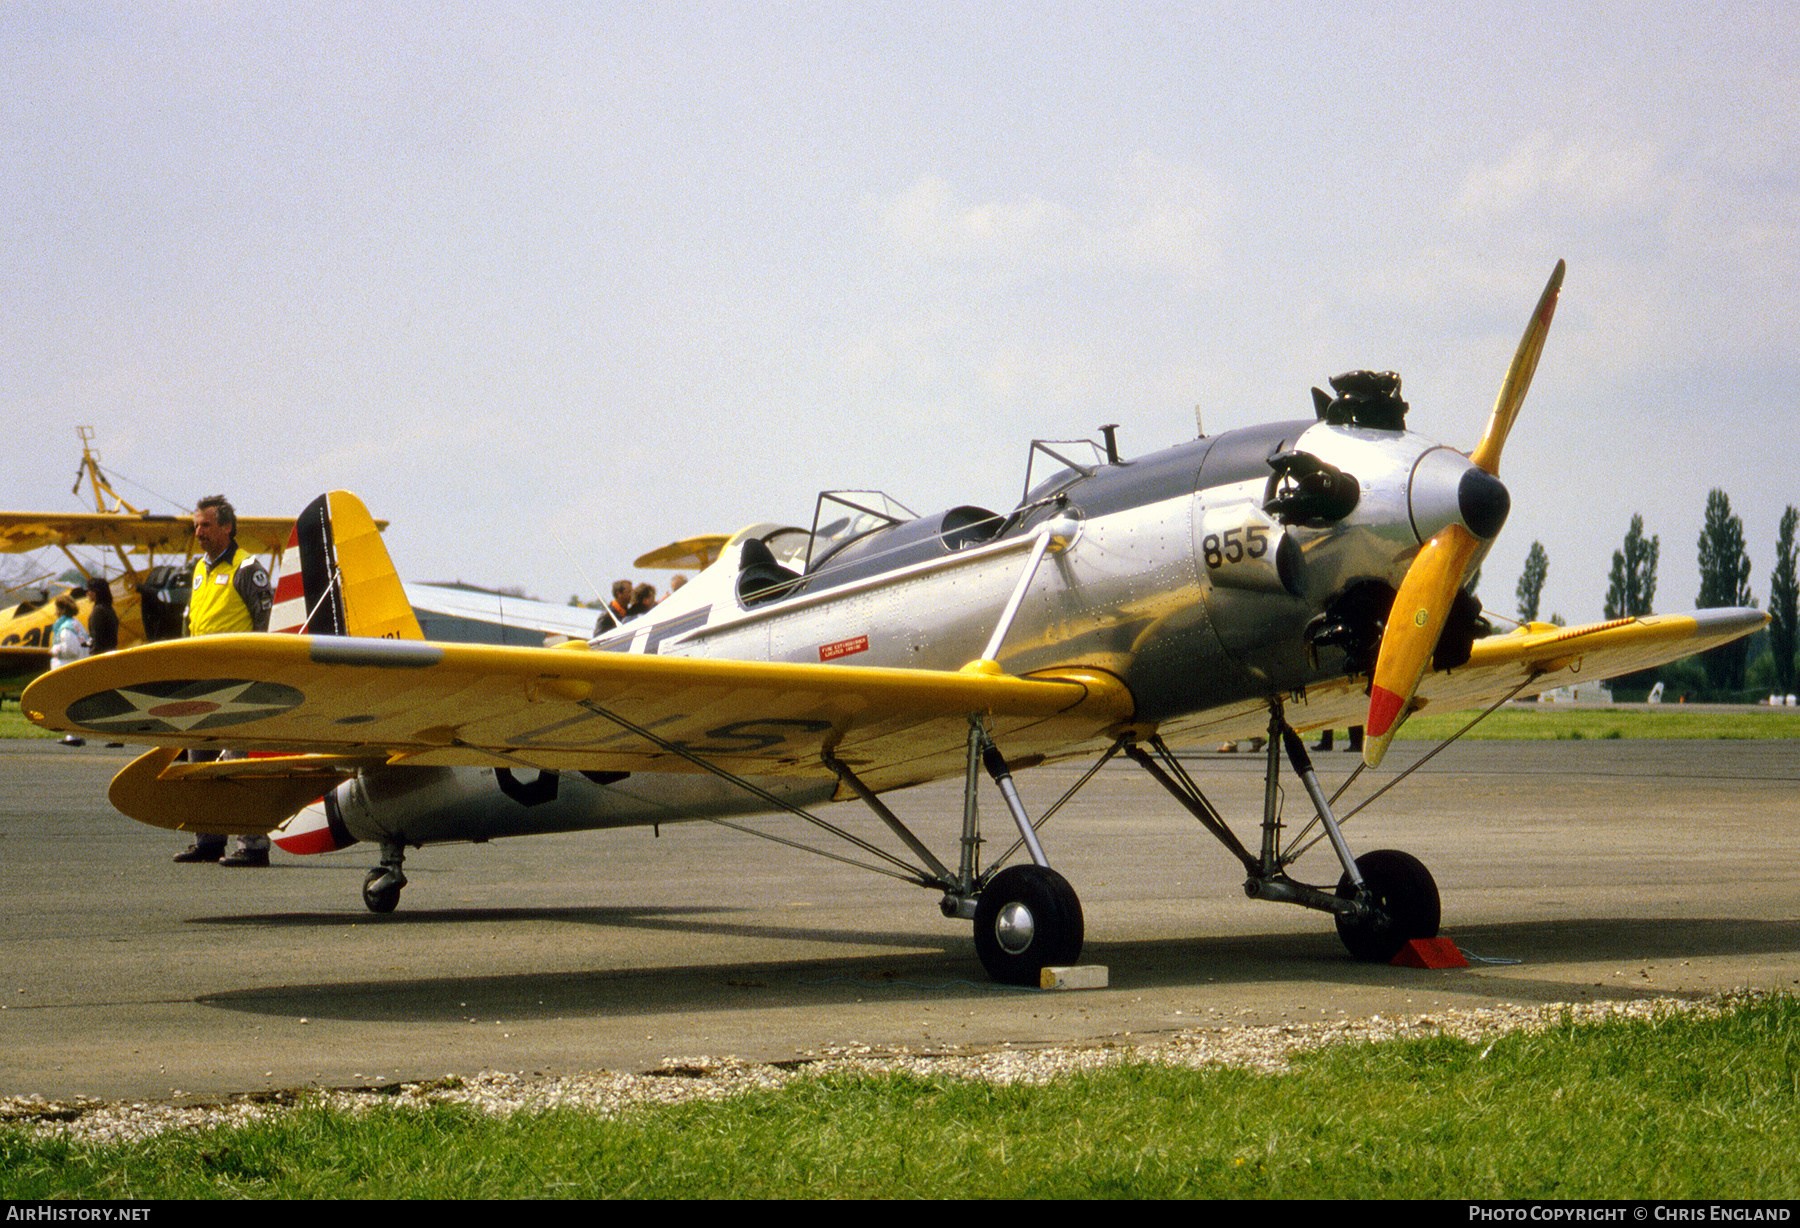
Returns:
<point x="900" y="829"/>
<point x="1294" y="854"/>
<point x="1056" y="535"/>
<point x="1266" y="872"/>
<point x="1182" y="788"/>
<point x="911" y="874"/>
<point x="1102" y="761"/>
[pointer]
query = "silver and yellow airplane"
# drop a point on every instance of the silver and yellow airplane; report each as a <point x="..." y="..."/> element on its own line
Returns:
<point x="1261" y="582"/>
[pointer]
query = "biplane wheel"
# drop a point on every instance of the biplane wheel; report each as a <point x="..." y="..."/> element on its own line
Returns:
<point x="1407" y="897"/>
<point x="381" y="890"/>
<point x="1029" y="917"/>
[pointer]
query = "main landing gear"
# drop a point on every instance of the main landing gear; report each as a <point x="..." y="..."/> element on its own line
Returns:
<point x="1384" y="898"/>
<point x="1027" y="917"/>
<point x="1026" y="920"/>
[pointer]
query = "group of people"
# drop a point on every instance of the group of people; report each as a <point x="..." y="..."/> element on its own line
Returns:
<point x="628" y="601"/>
<point x="70" y="640"/>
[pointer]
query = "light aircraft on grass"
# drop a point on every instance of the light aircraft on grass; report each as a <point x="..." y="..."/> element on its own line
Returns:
<point x="1272" y="580"/>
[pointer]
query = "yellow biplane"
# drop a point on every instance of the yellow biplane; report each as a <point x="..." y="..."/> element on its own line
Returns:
<point x="148" y="595"/>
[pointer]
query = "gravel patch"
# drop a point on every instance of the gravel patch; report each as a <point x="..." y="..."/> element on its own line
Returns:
<point x="680" y="1079"/>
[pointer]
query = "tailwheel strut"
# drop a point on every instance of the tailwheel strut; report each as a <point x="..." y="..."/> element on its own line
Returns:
<point x="381" y="886"/>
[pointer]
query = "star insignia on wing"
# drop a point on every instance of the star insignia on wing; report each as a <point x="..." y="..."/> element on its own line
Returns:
<point x="183" y="706"/>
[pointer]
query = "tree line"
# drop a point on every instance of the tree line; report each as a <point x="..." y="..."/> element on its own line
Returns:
<point x="1763" y="662"/>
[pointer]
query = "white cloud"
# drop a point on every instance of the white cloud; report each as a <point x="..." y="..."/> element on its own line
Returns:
<point x="925" y="225"/>
<point x="1166" y="215"/>
<point x="1158" y="216"/>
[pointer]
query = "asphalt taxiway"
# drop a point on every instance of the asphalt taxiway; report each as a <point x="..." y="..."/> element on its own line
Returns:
<point x="1584" y="870"/>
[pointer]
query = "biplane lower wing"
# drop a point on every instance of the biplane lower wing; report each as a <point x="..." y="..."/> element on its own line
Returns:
<point x="448" y="705"/>
<point x="1538" y="658"/>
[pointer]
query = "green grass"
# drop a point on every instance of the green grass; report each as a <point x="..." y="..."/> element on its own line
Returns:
<point x="1549" y="722"/>
<point x="1679" y="1107"/>
<point x="14" y="725"/>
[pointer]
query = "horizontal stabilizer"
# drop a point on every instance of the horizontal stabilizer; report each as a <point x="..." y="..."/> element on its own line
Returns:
<point x="228" y="797"/>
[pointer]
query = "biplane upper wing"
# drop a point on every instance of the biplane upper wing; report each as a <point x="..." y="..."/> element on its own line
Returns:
<point x="698" y="553"/>
<point x="25" y="531"/>
<point x="419" y="702"/>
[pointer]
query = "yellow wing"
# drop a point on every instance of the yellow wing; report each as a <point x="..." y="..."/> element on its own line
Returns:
<point x="24" y="531"/>
<point x="1562" y="656"/>
<point x="436" y="704"/>
<point x="695" y="552"/>
<point x="21" y="662"/>
<point x="1538" y="658"/>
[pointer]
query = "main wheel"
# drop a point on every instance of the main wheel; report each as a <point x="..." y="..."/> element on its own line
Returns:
<point x="1027" y="919"/>
<point x="1403" y="891"/>
<point x="381" y="890"/>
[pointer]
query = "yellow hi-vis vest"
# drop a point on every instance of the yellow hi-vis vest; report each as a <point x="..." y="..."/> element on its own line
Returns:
<point x="215" y="606"/>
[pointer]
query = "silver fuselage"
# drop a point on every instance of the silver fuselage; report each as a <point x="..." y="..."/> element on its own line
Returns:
<point x="1166" y="572"/>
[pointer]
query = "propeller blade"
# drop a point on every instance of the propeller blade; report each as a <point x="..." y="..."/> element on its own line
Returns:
<point x="1429" y="590"/>
<point x="1413" y="628"/>
<point x="1518" y="376"/>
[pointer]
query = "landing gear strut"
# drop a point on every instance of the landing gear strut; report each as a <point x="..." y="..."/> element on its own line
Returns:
<point x="381" y="887"/>
<point x="1384" y="899"/>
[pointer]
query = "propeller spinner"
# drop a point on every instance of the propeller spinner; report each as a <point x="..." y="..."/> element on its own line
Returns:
<point x="1436" y="575"/>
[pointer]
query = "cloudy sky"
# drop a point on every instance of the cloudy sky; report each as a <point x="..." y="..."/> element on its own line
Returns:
<point x="551" y="284"/>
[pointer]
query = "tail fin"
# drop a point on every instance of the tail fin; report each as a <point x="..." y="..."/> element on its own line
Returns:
<point x="337" y="578"/>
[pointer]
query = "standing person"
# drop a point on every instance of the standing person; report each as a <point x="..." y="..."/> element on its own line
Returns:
<point x="643" y="599"/>
<point x="68" y="642"/>
<point x="103" y="626"/>
<point x="103" y="621"/>
<point x="230" y="593"/>
<point x="68" y="638"/>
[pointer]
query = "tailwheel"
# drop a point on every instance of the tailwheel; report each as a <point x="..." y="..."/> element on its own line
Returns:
<point x="1027" y="918"/>
<point x="1405" y="898"/>
<point x="381" y="889"/>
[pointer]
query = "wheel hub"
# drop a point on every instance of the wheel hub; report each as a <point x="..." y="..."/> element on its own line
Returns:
<point x="1014" y="928"/>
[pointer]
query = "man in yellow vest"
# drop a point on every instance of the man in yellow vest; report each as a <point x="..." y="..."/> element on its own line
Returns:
<point x="230" y="593"/>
